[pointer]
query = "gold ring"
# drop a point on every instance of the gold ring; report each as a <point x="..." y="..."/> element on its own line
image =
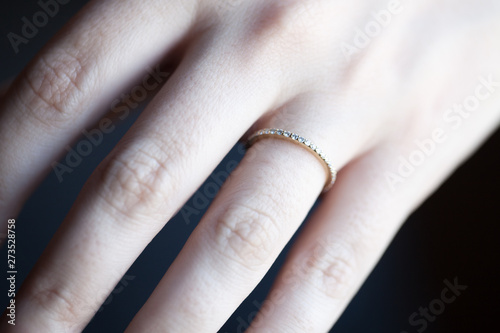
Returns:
<point x="297" y="139"/>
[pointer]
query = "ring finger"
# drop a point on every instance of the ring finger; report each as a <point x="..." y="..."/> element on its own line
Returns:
<point x="255" y="214"/>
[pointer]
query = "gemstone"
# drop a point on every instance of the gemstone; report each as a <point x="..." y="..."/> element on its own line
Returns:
<point x="272" y="131"/>
<point x="301" y="139"/>
<point x="295" y="136"/>
<point x="287" y="134"/>
<point x="279" y="132"/>
<point x="307" y="143"/>
<point x="266" y="132"/>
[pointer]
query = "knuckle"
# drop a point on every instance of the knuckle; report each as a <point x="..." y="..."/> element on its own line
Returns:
<point x="331" y="266"/>
<point x="135" y="182"/>
<point x="290" y="21"/>
<point x="64" y="306"/>
<point x="56" y="84"/>
<point x="246" y="234"/>
<point x="280" y="33"/>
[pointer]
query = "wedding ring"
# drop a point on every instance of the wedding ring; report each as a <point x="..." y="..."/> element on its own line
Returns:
<point x="305" y="143"/>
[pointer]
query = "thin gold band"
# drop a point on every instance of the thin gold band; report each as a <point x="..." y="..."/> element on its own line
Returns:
<point x="290" y="136"/>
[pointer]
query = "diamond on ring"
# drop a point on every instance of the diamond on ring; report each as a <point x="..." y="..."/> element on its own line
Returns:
<point x="300" y="140"/>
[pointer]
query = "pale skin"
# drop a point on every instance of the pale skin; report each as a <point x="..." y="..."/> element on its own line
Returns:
<point x="241" y="66"/>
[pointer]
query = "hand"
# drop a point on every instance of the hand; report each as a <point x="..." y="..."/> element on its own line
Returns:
<point x="396" y="108"/>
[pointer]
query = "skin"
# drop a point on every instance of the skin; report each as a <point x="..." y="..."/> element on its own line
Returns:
<point x="240" y="66"/>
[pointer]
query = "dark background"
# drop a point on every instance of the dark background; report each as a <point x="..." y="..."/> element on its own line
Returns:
<point x="453" y="234"/>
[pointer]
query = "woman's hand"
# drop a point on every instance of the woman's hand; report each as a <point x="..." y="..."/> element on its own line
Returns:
<point x="396" y="93"/>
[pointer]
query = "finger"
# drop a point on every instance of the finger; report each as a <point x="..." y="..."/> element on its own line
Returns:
<point x="64" y="89"/>
<point x="249" y="223"/>
<point x="173" y="146"/>
<point x="353" y="226"/>
<point x="334" y="253"/>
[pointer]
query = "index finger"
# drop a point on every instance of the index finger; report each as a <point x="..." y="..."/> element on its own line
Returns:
<point x="64" y="88"/>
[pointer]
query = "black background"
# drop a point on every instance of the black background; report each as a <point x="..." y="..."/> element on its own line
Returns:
<point x="453" y="234"/>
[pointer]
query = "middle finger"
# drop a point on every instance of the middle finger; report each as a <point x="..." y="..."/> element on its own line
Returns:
<point x="174" y="145"/>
